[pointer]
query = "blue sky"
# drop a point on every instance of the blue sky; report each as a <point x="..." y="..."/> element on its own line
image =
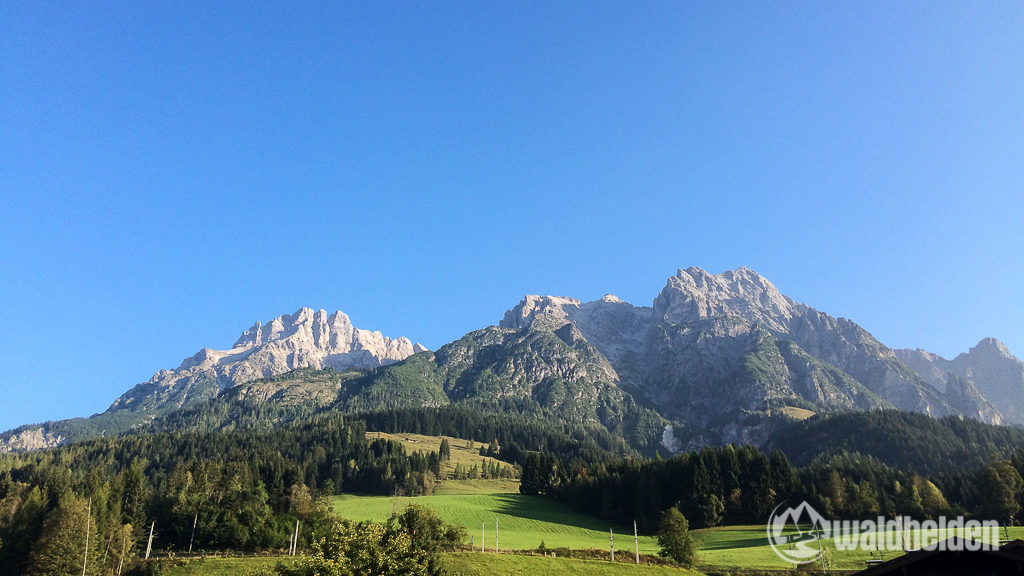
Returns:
<point x="171" y="173"/>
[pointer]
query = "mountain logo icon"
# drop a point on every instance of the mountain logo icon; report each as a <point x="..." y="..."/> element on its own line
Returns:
<point x="795" y="534"/>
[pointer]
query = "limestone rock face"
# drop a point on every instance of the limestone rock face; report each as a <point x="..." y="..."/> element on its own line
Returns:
<point x="713" y="348"/>
<point x="694" y="294"/>
<point x="305" y="339"/>
<point x="988" y="370"/>
<point x="29" y="438"/>
<point x="615" y="328"/>
<point x="718" y="357"/>
<point x="931" y="367"/>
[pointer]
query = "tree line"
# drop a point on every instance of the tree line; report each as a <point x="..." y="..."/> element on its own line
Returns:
<point x="241" y="490"/>
<point x="220" y="486"/>
<point x="741" y="485"/>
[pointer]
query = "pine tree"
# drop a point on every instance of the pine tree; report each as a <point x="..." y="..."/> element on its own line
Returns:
<point x="531" y="482"/>
<point x="61" y="547"/>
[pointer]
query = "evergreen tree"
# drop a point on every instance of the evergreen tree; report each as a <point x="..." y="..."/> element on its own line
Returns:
<point x="445" y="451"/>
<point x="531" y="481"/>
<point x="783" y="478"/>
<point x="62" y="545"/>
<point x="22" y="530"/>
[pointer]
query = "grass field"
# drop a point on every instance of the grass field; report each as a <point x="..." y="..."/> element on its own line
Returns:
<point x="523" y="521"/>
<point x="225" y="566"/>
<point x="526" y="520"/>
<point x="460" y="450"/>
<point x="495" y="486"/>
<point x="796" y="413"/>
<point x="746" y="547"/>
<point x="467" y="564"/>
<point x="726" y="548"/>
<point x="458" y="564"/>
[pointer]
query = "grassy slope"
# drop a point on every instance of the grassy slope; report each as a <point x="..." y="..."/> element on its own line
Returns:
<point x="460" y="453"/>
<point x="523" y="520"/>
<point x="526" y="520"/>
<point x="739" y="547"/>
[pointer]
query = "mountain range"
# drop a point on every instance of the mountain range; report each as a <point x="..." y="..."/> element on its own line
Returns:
<point x="716" y="358"/>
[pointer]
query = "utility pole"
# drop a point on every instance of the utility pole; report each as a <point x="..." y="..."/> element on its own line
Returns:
<point x="636" y="542"/>
<point x="149" y="546"/>
<point x="88" y="518"/>
<point x="611" y="538"/>
<point x="124" y="550"/>
<point x="483" y="542"/>
<point x="194" y="522"/>
<point x="495" y="534"/>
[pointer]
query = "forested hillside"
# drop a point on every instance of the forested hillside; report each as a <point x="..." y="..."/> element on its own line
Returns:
<point x="904" y="440"/>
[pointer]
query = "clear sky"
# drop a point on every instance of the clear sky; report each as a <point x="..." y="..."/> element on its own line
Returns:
<point x="172" y="172"/>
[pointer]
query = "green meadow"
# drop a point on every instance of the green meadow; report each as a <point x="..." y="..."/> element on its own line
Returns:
<point x="457" y="564"/>
<point x="469" y="564"/>
<point x="526" y="521"/>
<point x="746" y="547"/>
<point x="722" y="549"/>
<point x="217" y="566"/>
<point x="523" y="521"/>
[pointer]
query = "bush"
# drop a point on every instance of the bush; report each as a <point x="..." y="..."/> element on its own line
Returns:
<point x="409" y="544"/>
<point x="675" y="539"/>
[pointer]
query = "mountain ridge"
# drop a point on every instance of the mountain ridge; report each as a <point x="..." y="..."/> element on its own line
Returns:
<point x="715" y="358"/>
<point x="988" y="368"/>
<point x="305" y="339"/>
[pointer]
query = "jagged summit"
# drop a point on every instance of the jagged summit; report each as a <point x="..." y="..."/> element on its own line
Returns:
<point x="332" y="334"/>
<point x="715" y="346"/>
<point x="714" y="354"/>
<point x="991" y="347"/>
<point x="305" y="339"/>
<point x="987" y="368"/>
<point x="694" y="293"/>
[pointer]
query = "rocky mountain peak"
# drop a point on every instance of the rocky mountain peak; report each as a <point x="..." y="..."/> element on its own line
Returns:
<point x="991" y="348"/>
<point x="305" y="339"/>
<point x="989" y="368"/>
<point x="694" y="294"/>
<point x="542" y="312"/>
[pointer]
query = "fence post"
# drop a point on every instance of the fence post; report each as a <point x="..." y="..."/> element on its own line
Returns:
<point x="636" y="543"/>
